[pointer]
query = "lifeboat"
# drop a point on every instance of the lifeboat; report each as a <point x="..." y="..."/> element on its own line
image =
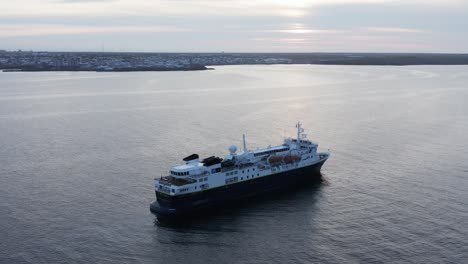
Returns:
<point x="275" y="159"/>
<point x="291" y="158"/>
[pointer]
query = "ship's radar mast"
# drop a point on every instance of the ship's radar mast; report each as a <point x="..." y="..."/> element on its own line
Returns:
<point x="243" y="141"/>
<point x="298" y="126"/>
<point x="300" y="131"/>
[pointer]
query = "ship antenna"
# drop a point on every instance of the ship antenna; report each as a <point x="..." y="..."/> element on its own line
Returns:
<point x="243" y="141"/>
<point x="298" y="131"/>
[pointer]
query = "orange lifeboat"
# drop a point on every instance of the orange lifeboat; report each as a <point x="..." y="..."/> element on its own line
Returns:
<point x="275" y="159"/>
<point x="291" y="158"/>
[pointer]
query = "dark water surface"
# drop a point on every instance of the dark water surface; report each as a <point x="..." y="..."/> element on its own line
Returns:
<point x="79" y="151"/>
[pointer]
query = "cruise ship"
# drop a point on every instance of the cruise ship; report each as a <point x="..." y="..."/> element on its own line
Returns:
<point x="202" y="183"/>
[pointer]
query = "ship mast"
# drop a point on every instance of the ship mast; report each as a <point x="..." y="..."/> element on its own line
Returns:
<point x="243" y="141"/>
<point x="298" y="125"/>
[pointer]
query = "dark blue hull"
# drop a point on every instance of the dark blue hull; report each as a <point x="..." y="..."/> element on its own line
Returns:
<point x="172" y="206"/>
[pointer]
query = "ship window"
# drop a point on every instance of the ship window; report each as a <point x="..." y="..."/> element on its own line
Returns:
<point x="247" y="177"/>
<point x="258" y="174"/>
<point x="242" y="171"/>
<point x="242" y="178"/>
<point x="172" y="190"/>
<point x="253" y="169"/>
<point x="200" y="180"/>
<point x="248" y="170"/>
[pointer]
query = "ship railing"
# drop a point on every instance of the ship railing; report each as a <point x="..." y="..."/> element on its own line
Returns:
<point x="170" y="180"/>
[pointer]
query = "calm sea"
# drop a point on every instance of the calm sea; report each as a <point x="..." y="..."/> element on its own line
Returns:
<point x="79" y="151"/>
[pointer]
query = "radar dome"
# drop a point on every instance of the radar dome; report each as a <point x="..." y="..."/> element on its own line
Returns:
<point x="232" y="149"/>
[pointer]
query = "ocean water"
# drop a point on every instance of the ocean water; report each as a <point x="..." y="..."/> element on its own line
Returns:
<point x="79" y="151"/>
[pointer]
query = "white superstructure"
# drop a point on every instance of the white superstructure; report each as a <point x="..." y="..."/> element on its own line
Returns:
<point x="196" y="176"/>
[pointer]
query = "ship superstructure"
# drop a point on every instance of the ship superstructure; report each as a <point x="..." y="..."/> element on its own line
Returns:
<point x="200" y="183"/>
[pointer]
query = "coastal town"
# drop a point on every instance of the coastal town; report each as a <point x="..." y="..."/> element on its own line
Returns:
<point x="20" y="60"/>
<point x="95" y="61"/>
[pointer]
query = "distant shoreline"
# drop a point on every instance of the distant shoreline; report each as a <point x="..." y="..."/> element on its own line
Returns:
<point x="31" y="61"/>
<point x="211" y="68"/>
<point x="136" y="69"/>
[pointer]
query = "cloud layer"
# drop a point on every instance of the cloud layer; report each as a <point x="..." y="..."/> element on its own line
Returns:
<point x="246" y="26"/>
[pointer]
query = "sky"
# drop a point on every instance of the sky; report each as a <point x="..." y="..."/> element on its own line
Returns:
<point x="439" y="26"/>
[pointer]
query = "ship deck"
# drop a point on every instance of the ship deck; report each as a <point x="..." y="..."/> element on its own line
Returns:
<point x="176" y="181"/>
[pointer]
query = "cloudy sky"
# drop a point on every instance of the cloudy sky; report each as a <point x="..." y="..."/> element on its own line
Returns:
<point x="235" y="26"/>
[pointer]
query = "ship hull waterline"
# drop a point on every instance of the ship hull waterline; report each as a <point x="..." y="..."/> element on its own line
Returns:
<point x="230" y="193"/>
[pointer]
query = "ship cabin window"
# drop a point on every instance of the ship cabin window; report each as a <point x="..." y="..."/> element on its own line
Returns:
<point x="231" y="180"/>
<point x="253" y="169"/>
<point x="172" y="190"/>
<point x="248" y="170"/>
<point x="270" y="152"/>
<point x="200" y="180"/>
<point x="242" y="178"/>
